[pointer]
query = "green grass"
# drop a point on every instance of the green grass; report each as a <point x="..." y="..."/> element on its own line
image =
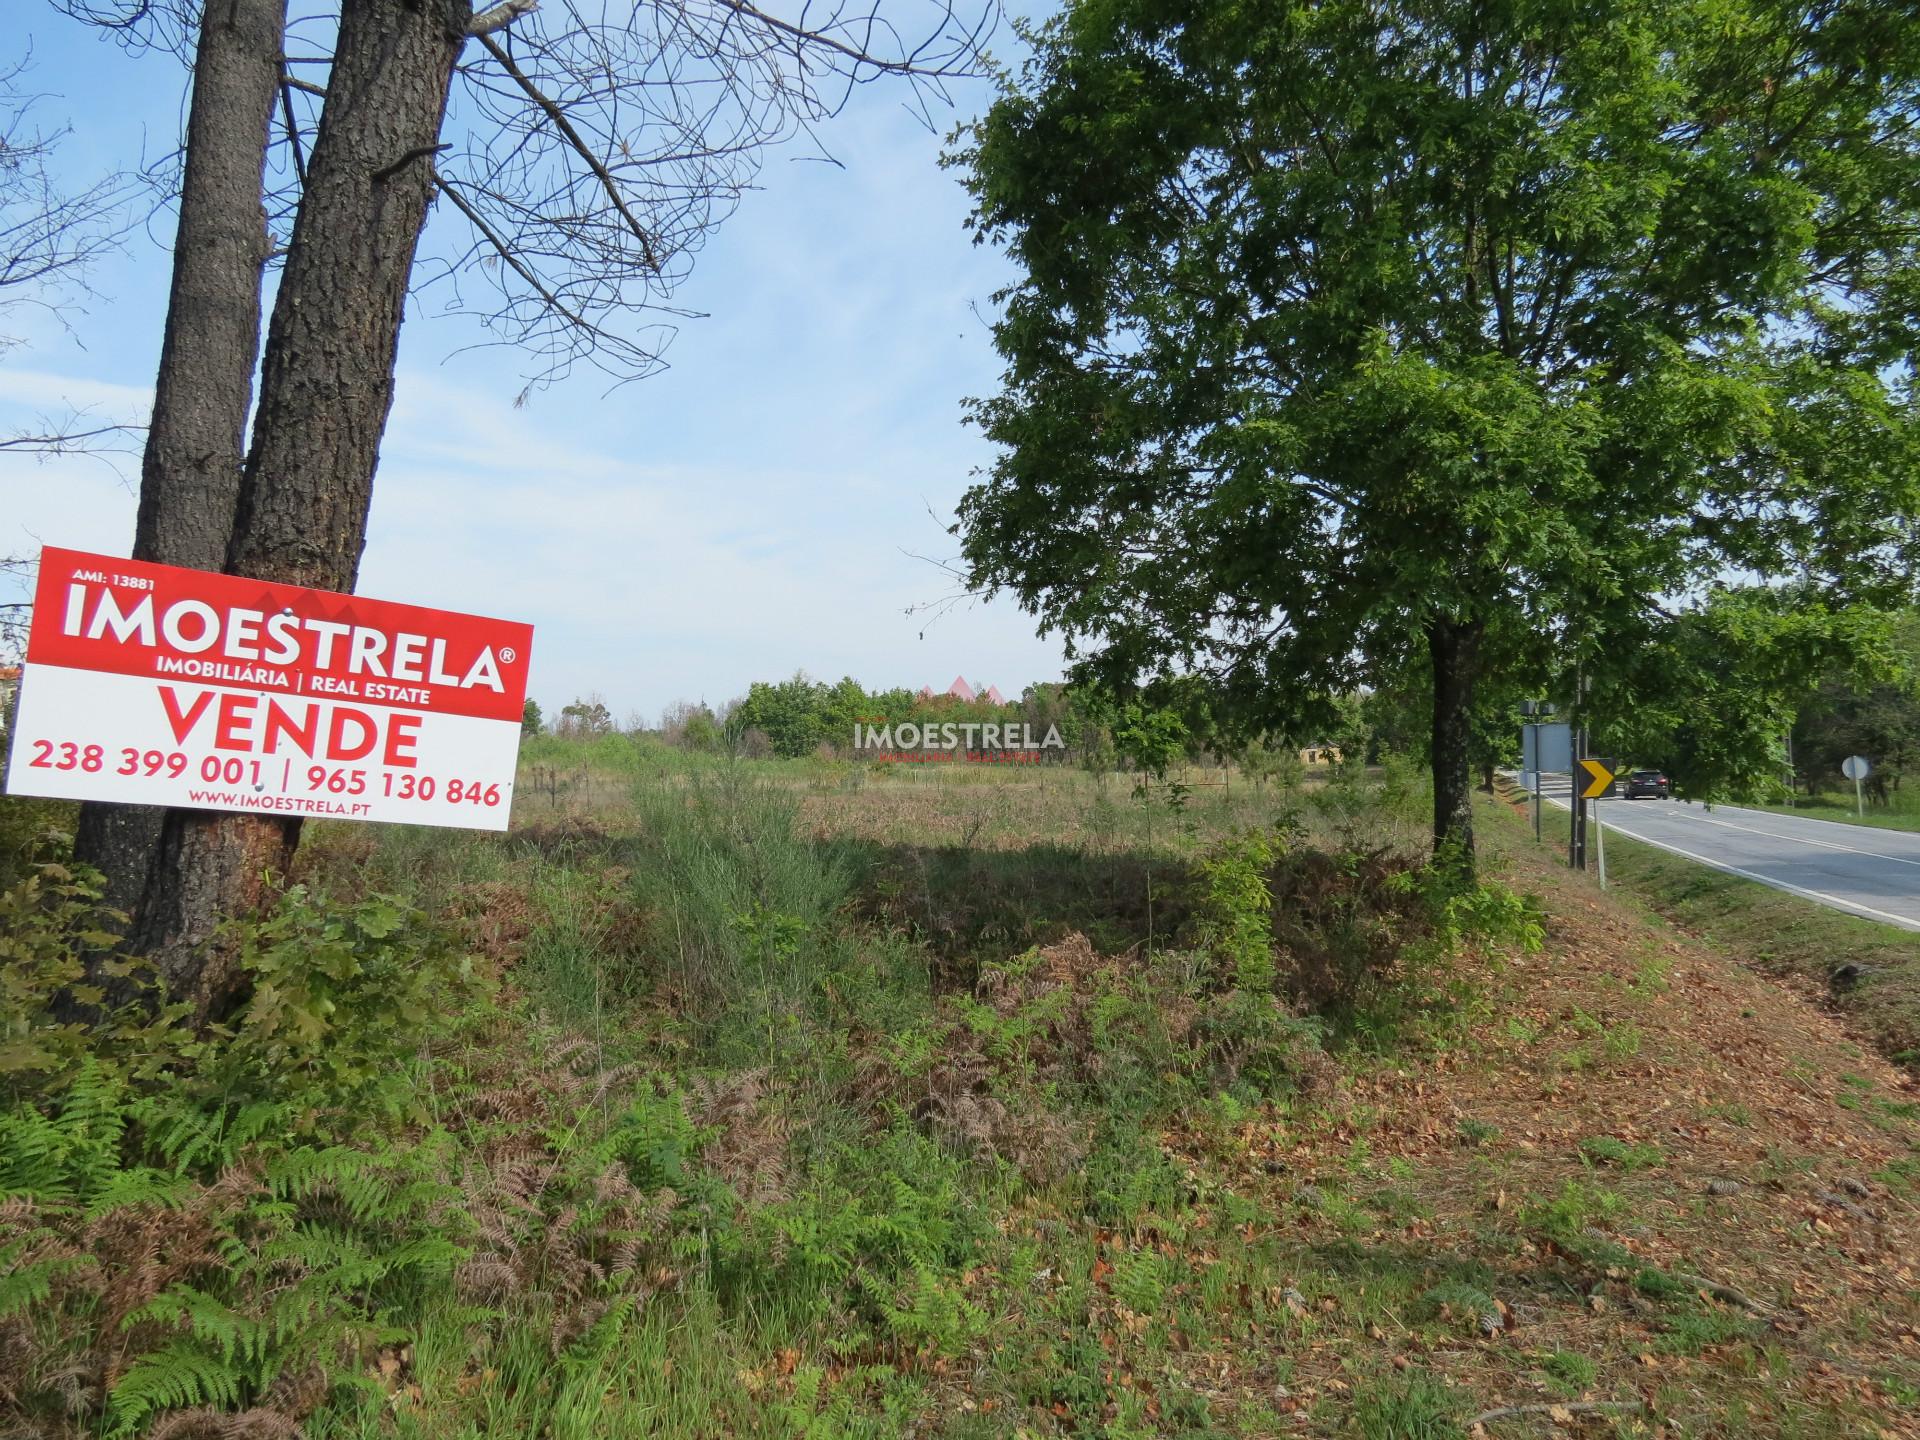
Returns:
<point x="1780" y="933"/>
<point x="1610" y="1150"/>
<point x="1901" y="812"/>
<point x="778" y="1123"/>
<point x="1407" y="1410"/>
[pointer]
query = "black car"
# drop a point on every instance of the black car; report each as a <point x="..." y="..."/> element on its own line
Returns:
<point x="1642" y="783"/>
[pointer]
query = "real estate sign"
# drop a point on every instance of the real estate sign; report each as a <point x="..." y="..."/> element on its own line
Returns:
<point x="160" y="686"/>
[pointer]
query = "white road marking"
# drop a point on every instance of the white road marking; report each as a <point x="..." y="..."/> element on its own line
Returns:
<point x="1796" y="839"/>
<point x="1834" y="900"/>
<point x="1837" y="902"/>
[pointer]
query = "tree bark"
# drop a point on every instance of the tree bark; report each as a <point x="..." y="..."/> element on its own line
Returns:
<point x="326" y="386"/>
<point x="196" y="438"/>
<point x="326" y="383"/>
<point x="1455" y="648"/>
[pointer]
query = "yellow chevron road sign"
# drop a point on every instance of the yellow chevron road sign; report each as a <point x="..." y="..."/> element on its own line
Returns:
<point x="1599" y="780"/>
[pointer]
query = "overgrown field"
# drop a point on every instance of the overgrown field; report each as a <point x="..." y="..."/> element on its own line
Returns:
<point x="790" y="1099"/>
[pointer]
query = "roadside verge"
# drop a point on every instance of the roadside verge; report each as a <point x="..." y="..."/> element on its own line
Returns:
<point x="1868" y="972"/>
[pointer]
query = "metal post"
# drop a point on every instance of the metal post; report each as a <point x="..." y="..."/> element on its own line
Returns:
<point x="1577" y="845"/>
<point x="1576" y="807"/>
<point x="1538" y="782"/>
<point x="1580" y="802"/>
<point x="1859" y="805"/>
<point x="1600" y="843"/>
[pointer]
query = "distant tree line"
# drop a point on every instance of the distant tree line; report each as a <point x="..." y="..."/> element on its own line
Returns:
<point x="1870" y="709"/>
<point x="801" y="716"/>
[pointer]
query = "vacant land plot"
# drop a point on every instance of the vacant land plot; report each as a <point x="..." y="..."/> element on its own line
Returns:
<point x="772" y="1099"/>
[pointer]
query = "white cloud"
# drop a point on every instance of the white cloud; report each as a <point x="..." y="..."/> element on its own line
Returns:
<point x="736" y="518"/>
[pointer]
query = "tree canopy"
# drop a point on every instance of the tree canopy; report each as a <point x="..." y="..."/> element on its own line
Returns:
<point x="1391" y="332"/>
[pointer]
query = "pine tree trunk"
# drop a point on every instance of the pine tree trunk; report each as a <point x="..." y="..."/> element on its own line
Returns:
<point x="1455" y="648"/>
<point x="326" y="387"/>
<point x="196" y="438"/>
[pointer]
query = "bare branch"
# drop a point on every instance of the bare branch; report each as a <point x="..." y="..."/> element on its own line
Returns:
<point x="603" y="145"/>
<point x="293" y="129"/>
<point x="593" y="148"/>
<point x="418" y="152"/>
<point x="49" y="234"/>
<point x="580" y="147"/>
<point x="500" y="16"/>
<point x="57" y="441"/>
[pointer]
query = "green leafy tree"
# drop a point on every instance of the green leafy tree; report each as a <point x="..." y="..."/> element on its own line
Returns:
<point x="701" y="731"/>
<point x="1713" y="691"/>
<point x="1151" y="740"/>
<point x="791" y="714"/>
<point x="530" y="720"/>
<point x="690" y="725"/>
<point x="1378" y="331"/>
<point x="584" y="719"/>
<point x="1875" y="715"/>
<point x="842" y="707"/>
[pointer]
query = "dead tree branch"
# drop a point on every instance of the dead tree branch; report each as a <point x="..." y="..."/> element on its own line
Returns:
<point x="580" y="147"/>
<point x="500" y="16"/>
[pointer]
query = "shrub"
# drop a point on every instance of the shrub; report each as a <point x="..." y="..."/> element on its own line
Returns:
<point x="1344" y="922"/>
<point x="739" y="901"/>
<point x="1235" y="907"/>
<point x="51" y="925"/>
<point x="343" y="999"/>
<point x="32" y="830"/>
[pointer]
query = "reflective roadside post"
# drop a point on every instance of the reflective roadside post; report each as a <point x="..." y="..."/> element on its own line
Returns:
<point x="1600" y="843"/>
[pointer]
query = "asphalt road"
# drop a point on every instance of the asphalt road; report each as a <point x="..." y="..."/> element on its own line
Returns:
<point x="1864" y="871"/>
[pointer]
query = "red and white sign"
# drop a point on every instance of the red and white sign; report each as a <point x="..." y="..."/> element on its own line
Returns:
<point x="154" y="685"/>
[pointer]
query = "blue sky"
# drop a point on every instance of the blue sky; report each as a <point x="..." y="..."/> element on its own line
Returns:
<point x="754" y="510"/>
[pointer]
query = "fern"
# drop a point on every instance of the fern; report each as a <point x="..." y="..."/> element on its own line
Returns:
<point x="72" y="1152"/>
<point x="187" y="1137"/>
<point x="210" y="1320"/>
<point x="31" y="1154"/>
<point x="140" y="1185"/>
<point x="300" y="1174"/>
<point x="178" y="1376"/>
<point x="30" y="1283"/>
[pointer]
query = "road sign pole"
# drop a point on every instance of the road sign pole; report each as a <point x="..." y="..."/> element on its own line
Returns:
<point x="1592" y="780"/>
<point x="1579" y="860"/>
<point x="1856" y="768"/>
<point x="1579" y="857"/>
